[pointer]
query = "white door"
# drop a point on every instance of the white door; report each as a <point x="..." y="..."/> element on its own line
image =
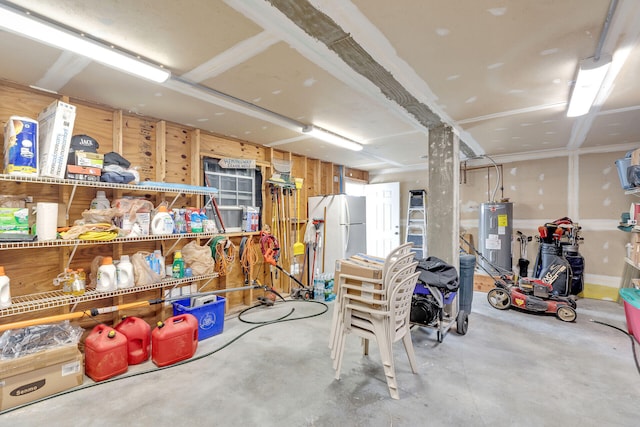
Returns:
<point x="383" y="217"/>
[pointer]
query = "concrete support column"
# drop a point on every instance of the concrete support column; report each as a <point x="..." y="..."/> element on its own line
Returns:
<point x="443" y="195"/>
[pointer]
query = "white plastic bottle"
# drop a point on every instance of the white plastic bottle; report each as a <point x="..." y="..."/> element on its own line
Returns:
<point x="100" y="201"/>
<point x="107" y="278"/>
<point x="5" y="292"/>
<point x="124" y="273"/>
<point x="162" y="223"/>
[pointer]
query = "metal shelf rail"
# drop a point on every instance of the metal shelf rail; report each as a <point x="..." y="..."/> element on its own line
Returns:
<point x="53" y="299"/>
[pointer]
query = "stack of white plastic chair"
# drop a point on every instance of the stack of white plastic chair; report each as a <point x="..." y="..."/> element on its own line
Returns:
<point x="374" y="288"/>
<point x="386" y="324"/>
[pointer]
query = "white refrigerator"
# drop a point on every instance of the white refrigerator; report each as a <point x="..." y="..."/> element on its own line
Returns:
<point x="343" y="232"/>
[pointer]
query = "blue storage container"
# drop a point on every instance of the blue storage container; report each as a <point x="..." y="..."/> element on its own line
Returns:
<point x="622" y="165"/>
<point x="210" y="315"/>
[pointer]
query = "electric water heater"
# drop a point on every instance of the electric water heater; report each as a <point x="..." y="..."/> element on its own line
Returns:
<point x="495" y="235"/>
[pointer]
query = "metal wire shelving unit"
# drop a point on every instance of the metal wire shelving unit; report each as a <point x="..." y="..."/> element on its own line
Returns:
<point x="53" y="299"/>
<point x="56" y="298"/>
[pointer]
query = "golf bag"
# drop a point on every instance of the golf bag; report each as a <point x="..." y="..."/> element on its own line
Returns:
<point x="558" y="262"/>
<point x="437" y="275"/>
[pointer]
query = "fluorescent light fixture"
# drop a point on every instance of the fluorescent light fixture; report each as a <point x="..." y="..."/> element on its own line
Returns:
<point x="591" y="74"/>
<point x="331" y="138"/>
<point x="39" y="30"/>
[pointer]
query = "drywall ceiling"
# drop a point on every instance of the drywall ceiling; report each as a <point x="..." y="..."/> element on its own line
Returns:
<point x="379" y="72"/>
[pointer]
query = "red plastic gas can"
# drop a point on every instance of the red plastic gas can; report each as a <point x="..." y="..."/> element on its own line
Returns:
<point x="174" y="340"/>
<point x="138" y="333"/>
<point x="105" y="352"/>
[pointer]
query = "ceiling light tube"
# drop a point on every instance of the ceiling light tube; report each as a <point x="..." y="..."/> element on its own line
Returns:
<point x="39" y="30"/>
<point x="331" y="138"/>
<point x="591" y="75"/>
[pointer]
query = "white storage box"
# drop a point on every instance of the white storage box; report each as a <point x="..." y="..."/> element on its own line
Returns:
<point x="56" y="128"/>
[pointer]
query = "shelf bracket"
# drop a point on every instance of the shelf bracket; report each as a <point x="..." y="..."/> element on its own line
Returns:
<point x="173" y="202"/>
<point x="73" y="193"/>
<point x="73" y="252"/>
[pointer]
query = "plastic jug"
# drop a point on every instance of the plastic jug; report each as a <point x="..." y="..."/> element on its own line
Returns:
<point x="174" y="340"/>
<point x="124" y="273"/>
<point x="100" y="201"/>
<point x="5" y="292"/>
<point x="105" y="352"/>
<point x="138" y="334"/>
<point x="162" y="223"/>
<point x="196" y="220"/>
<point x="178" y="265"/>
<point x="107" y="279"/>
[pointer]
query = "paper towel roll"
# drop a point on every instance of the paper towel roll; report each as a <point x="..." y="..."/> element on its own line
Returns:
<point x="46" y="220"/>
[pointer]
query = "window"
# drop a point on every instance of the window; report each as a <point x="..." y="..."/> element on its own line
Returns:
<point x="237" y="190"/>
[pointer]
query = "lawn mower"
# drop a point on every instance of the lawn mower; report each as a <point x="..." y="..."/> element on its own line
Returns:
<point x="529" y="294"/>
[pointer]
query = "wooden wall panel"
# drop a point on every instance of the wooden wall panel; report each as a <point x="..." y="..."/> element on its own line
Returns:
<point x="160" y="151"/>
<point x="139" y="137"/>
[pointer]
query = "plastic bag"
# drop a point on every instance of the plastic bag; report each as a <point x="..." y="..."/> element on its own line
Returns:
<point x="143" y="274"/>
<point x="20" y="342"/>
<point x="132" y="205"/>
<point x="94" y="216"/>
<point x="198" y="258"/>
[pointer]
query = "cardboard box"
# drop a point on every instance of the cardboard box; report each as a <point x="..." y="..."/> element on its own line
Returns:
<point x="14" y="220"/>
<point x="39" y="375"/>
<point x="635" y="253"/>
<point x="90" y="160"/>
<point x="635" y="157"/>
<point x="362" y="269"/>
<point x="142" y="219"/>
<point x="56" y="127"/>
<point x="81" y="173"/>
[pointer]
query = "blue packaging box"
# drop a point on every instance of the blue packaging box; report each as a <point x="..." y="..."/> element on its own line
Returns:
<point x="210" y="315"/>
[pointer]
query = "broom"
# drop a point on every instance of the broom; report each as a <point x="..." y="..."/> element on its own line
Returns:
<point x="298" y="246"/>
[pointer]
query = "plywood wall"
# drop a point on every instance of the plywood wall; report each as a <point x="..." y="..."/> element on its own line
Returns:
<point x="160" y="151"/>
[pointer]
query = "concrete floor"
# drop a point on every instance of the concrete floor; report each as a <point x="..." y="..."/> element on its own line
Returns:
<point x="511" y="369"/>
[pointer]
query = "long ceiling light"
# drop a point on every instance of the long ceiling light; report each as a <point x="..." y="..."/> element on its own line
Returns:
<point x="331" y="138"/>
<point x="591" y="75"/>
<point x="42" y="31"/>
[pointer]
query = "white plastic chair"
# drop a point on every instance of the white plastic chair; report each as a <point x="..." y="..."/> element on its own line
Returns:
<point x="386" y="326"/>
<point x="387" y="270"/>
<point x="367" y="290"/>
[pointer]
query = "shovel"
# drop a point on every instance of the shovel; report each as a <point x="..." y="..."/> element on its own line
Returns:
<point x="298" y="246"/>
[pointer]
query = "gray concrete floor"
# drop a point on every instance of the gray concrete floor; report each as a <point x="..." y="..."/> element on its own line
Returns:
<point x="511" y="369"/>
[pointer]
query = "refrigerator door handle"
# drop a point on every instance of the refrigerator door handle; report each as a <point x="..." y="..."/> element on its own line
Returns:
<point x="347" y="240"/>
<point x="347" y="215"/>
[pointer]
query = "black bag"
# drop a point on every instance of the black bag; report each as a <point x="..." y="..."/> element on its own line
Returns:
<point x="436" y="272"/>
<point x="553" y="269"/>
<point x="576" y="261"/>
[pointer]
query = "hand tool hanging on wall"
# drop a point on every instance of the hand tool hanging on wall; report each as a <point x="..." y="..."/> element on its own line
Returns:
<point x="298" y="246"/>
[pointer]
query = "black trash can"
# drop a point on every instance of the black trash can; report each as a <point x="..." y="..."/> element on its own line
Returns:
<point x="467" y="268"/>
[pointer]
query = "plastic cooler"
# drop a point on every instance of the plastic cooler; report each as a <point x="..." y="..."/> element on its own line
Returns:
<point x="631" y="298"/>
<point x="210" y="315"/>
